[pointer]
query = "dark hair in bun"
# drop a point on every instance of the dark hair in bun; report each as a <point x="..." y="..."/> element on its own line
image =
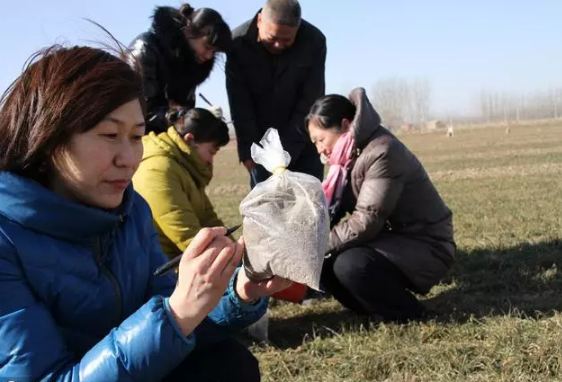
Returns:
<point x="207" y="23"/>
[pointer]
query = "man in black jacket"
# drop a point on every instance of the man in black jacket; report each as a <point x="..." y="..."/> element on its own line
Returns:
<point x="274" y="73"/>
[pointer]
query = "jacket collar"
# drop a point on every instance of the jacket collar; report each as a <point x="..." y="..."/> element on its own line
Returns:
<point x="35" y="207"/>
<point x="172" y="145"/>
<point x="251" y="34"/>
<point x="367" y="121"/>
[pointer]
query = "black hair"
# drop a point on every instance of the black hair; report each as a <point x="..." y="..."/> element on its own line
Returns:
<point x="208" y="23"/>
<point x="328" y="111"/>
<point x="201" y="123"/>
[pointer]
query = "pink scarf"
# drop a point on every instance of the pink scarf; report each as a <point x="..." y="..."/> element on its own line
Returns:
<point x="340" y="162"/>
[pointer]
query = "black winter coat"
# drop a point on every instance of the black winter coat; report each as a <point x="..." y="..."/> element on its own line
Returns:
<point x="266" y="90"/>
<point x="170" y="70"/>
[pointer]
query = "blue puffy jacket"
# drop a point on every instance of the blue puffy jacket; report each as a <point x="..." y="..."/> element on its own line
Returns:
<point x="78" y="301"/>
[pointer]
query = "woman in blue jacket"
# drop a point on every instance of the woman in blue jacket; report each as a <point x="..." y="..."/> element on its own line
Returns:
<point x="78" y="298"/>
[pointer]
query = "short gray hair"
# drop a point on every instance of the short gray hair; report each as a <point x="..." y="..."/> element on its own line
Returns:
<point x="282" y="12"/>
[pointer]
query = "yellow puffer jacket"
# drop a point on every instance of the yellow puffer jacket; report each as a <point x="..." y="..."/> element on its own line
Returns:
<point x="172" y="178"/>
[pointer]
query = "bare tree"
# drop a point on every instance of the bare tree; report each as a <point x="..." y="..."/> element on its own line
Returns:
<point x="401" y="101"/>
<point x="496" y="106"/>
<point x="485" y="107"/>
<point x="421" y="99"/>
<point x="389" y="101"/>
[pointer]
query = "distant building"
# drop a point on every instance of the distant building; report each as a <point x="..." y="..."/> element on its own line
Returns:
<point x="435" y="125"/>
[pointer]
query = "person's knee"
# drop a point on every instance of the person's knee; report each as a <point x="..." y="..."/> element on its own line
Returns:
<point x="350" y="266"/>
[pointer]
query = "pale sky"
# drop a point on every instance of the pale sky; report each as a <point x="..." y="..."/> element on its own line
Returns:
<point x="460" y="46"/>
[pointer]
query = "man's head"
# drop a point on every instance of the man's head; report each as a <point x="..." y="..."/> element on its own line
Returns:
<point x="278" y="24"/>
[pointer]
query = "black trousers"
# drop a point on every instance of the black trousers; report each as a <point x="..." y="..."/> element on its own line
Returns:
<point x="226" y="361"/>
<point x="366" y="282"/>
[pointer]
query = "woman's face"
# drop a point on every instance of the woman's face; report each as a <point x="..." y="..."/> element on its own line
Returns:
<point x="205" y="150"/>
<point x="203" y="51"/>
<point x="97" y="166"/>
<point x="325" y="139"/>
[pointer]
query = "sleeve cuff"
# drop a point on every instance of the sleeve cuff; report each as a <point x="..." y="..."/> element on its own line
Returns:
<point x="190" y="339"/>
<point x="238" y="302"/>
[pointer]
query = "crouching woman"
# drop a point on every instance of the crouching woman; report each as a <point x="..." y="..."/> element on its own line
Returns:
<point x="398" y="237"/>
<point x="175" y="170"/>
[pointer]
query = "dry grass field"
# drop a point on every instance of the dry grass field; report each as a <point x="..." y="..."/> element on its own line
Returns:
<point x="497" y="314"/>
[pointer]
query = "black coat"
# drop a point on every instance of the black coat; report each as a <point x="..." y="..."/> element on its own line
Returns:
<point x="169" y="68"/>
<point x="267" y="90"/>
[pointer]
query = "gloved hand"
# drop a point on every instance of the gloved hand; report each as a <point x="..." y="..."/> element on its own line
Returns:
<point x="217" y="111"/>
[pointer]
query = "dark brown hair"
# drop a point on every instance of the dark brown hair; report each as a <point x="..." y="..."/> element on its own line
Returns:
<point x="61" y="92"/>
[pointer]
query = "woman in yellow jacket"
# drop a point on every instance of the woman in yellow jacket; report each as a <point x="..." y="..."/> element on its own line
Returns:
<point x="176" y="167"/>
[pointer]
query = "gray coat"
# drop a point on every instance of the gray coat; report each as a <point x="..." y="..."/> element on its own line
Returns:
<point x="266" y="90"/>
<point x="393" y="205"/>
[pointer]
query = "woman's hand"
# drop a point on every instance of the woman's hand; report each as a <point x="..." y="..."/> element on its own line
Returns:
<point x="250" y="291"/>
<point x="205" y="271"/>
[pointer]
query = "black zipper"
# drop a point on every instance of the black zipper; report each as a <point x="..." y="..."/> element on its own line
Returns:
<point x="98" y="254"/>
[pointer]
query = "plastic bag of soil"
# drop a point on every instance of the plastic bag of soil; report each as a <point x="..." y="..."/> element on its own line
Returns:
<point x="286" y="222"/>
